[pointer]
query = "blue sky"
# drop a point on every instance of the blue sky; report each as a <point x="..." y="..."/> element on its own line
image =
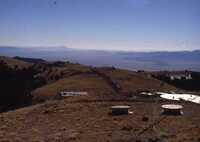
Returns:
<point x="131" y="25"/>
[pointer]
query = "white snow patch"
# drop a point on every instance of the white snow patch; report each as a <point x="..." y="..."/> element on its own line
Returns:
<point x="178" y="97"/>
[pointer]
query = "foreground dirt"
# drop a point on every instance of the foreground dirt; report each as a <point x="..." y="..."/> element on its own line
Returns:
<point x="91" y="121"/>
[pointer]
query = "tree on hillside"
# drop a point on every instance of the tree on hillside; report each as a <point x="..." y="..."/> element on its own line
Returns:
<point x="16" y="85"/>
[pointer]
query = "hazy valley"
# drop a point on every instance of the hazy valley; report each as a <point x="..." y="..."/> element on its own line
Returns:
<point x="180" y="60"/>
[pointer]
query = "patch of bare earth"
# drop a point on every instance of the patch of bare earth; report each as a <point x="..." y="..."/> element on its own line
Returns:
<point x="63" y="121"/>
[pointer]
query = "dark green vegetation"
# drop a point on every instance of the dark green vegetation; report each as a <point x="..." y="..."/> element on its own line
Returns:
<point x="191" y="84"/>
<point x="20" y="76"/>
<point x="16" y="86"/>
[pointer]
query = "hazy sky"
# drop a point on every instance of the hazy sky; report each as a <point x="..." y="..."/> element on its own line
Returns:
<point x="135" y="25"/>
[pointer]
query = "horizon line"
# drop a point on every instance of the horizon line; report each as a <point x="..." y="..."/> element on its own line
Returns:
<point x="38" y="47"/>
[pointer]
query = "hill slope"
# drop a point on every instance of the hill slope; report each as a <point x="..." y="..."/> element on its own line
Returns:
<point x="102" y="83"/>
<point x="88" y="118"/>
<point x="61" y="121"/>
<point x="14" y="62"/>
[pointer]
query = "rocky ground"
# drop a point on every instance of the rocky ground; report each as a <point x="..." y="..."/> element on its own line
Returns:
<point x="91" y="121"/>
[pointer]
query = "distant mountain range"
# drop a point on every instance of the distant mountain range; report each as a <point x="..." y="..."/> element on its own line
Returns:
<point x="180" y="60"/>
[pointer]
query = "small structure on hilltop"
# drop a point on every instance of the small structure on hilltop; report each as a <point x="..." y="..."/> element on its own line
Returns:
<point x="172" y="109"/>
<point x="180" y="76"/>
<point x="120" y="110"/>
<point x="72" y="93"/>
<point x="146" y="94"/>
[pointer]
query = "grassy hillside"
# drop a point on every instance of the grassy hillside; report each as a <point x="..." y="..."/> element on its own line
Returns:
<point x="102" y="84"/>
<point x="14" y="62"/>
<point x="94" y="84"/>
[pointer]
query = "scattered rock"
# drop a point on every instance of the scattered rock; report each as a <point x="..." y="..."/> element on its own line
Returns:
<point x="63" y="136"/>
<point x="57" y="137"/>
<point x="3" y="127"/>
<point x="47" y="111"/>
<point x="153" y="139"/>
<point x="61" y="110"/>
<point x="17" y="139"/>
<point x="34" y="130"/>
<point x="5" y="140"/>
<point x="12" y="134"/>
<point x="63" y="129"/>
<point x="37" y="140"/>
<point x="73" y="136"/>
<point x="145" y="118"/>
<point x="127" y="128"/>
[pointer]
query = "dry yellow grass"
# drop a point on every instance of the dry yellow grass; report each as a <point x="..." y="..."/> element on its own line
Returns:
<point x="90" y="121"/>
<point x="96" y="85"/>
<point x="131" y="81"/>
<point x="93" y="84"/>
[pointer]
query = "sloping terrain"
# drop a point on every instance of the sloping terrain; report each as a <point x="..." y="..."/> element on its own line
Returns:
<point x="14" y="62"/>
<point x="88" y="118"/>
<point x="19" y="78"/>
<point x="102" y="82"/>
<point x="60" y="76"/>
<point x="95" y="86"/>
<point x="132" y="82"/>
<point x="63" y="121"/>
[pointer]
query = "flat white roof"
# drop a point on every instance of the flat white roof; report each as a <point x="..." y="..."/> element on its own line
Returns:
<point x="172" y="106"/>
<point x="72" y="93"/>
